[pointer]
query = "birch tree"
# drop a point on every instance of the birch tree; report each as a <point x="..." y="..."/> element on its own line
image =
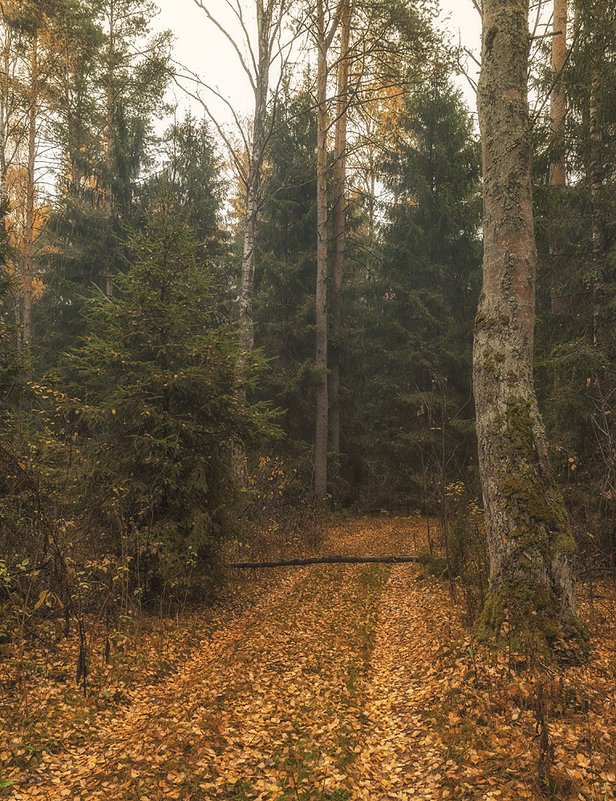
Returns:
<point x="256" y="53"/>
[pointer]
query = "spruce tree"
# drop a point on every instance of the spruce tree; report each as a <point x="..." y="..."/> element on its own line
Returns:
<point x="157" y="377"/>
<point x="106" y="134"/>
<point x="284" y="289"/>
<point x="410" y="358"/>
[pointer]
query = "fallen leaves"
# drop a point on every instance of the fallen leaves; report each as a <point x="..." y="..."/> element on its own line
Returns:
<point x="333" y="683"/>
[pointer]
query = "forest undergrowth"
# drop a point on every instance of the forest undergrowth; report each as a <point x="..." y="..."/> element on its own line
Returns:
<point x="325" y="683"/>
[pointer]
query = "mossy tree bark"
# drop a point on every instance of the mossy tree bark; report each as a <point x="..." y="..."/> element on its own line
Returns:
<point x="529" y="535"/>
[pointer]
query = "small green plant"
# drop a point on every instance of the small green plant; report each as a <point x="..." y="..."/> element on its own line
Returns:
<point x="434" y="565"/>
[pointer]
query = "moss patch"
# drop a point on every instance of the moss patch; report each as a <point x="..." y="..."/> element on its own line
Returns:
<point x="525" y="601"/>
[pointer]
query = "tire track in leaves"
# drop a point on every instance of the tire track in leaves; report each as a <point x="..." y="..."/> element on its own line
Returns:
<point x="123" y="733"/>
<point x="270" y="709"/>
<point x="449" y="718"/>
<point x="345" y="685"/>
<point x="401" y="755"/>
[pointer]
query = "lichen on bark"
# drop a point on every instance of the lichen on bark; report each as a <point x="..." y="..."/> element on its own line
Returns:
<point x="530" y="542"/>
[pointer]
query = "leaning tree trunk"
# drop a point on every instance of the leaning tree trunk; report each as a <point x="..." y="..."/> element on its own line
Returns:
<point x="530" y="541"/>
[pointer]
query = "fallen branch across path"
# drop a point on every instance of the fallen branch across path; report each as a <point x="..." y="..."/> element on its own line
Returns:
<point x="329" y="560"/>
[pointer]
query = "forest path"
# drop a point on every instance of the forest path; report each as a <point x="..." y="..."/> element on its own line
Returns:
<point x="271" y="707"/>
<point x="345" y="683"/>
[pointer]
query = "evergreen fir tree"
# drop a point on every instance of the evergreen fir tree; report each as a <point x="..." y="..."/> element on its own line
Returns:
<point x="411" y="365"/>
<point x="157" y="375"/>
<point x="111" y="94"/>
<point x="284" y="289"/>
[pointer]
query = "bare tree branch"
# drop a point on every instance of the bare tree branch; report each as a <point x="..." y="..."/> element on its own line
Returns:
<point x="231" y="41"/>
<point x="235" y="156"/>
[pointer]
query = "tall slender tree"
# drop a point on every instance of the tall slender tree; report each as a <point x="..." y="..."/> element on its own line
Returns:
<point x="324" y="31"/>
<point x="31" y="29"/>
<point x="339" y="218"/>
<point x="256" y="55"/>
<point x="558" y="121"/>
<point x="131" y="82"/>
<point x="558" y="96"/>
<point x="111" y="87"/>
<point x="12" y="128"/>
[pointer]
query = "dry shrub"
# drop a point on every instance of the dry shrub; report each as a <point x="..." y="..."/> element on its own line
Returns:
<point x="279" y="518"/>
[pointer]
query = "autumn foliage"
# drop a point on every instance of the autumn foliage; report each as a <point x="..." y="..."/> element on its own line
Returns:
<point x="330" y="682"/>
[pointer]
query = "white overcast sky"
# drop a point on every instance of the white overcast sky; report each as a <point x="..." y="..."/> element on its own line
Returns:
<point x="203" y="49"/>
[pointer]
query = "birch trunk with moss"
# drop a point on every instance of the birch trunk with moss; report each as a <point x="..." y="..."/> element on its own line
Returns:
<point x="530" y="541"/>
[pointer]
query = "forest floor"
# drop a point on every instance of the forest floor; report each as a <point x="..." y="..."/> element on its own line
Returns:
<point x="322" y="683"/>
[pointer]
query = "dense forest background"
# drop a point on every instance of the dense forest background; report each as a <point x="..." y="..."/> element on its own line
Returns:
<point x="149" y="420"/>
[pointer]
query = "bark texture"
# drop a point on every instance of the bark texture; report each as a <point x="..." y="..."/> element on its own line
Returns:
<point x="529" y="535"/>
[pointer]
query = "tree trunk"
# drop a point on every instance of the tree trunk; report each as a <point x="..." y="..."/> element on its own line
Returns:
<point x="261" y="88"/>
<point x="602" y="333"/>
<point x="29" y="223"/>
<point x="108" y="201"/>
<point x="339" y="223"/>
<point x="558" y="98"/>
<point x="247" y="335"/>
<point x="558" y="118"/>
<point x="5" y="112"/>
<point x="529" y="536"/>
<point x="320" y="447"/>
